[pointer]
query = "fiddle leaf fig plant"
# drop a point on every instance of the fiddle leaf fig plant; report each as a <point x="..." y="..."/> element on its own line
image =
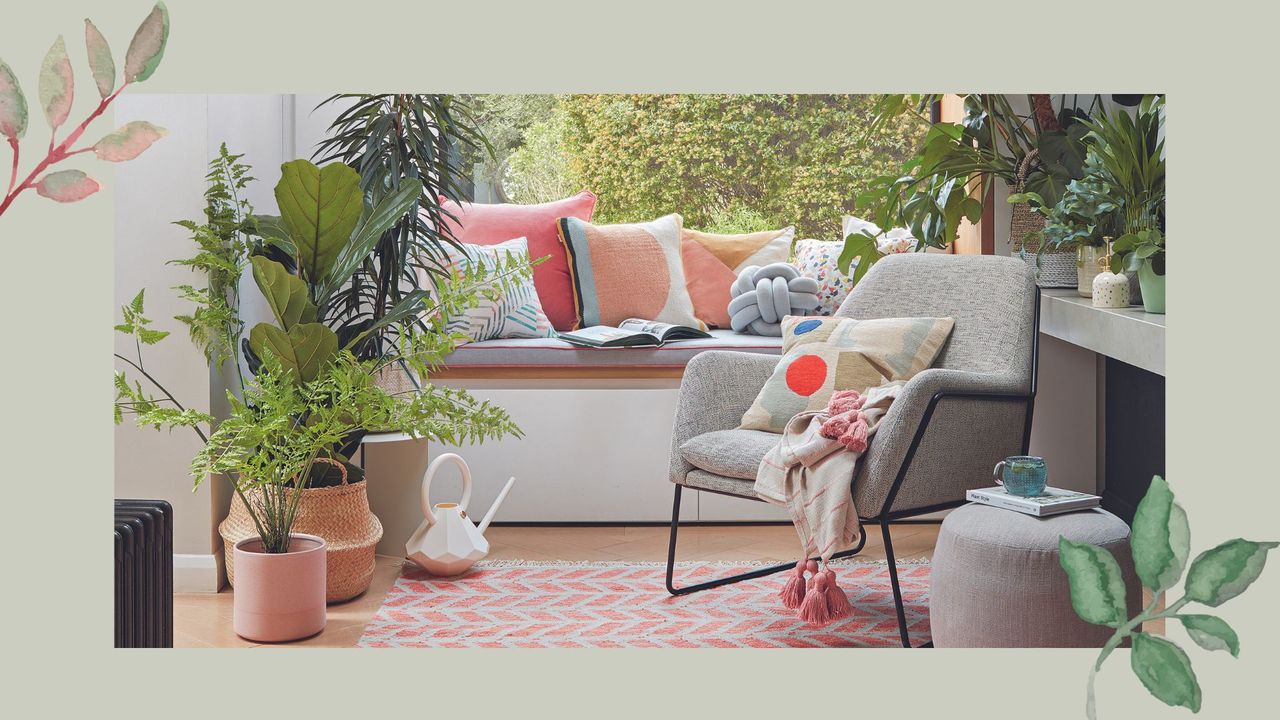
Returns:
<point x="1160" y="542"/>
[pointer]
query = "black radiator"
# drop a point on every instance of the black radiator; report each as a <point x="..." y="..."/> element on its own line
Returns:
<point x="144" y="573"/>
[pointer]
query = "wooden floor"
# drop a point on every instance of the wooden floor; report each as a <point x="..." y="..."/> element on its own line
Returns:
<point x="204" y="619"/>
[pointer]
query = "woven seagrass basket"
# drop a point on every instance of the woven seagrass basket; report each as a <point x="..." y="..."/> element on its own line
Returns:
<point x="340" y="515"/>
<point x="1052" y="268"/>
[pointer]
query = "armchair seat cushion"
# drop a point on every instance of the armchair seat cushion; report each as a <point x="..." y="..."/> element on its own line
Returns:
<point x="730" y="453"/>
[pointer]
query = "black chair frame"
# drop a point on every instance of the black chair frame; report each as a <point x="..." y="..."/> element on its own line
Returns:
<point x="887" y="515"/>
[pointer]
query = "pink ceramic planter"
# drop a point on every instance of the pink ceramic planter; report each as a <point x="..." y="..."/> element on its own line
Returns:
<point x="279" y="596"/>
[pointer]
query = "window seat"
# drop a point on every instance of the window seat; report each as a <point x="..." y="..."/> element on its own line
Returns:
<point x="552" y="357"/>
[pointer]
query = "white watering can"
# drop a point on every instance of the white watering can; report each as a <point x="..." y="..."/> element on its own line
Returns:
<point x="447" y="543"/>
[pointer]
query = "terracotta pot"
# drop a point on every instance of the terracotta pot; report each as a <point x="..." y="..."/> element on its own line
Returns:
<point x="279" y="596"/>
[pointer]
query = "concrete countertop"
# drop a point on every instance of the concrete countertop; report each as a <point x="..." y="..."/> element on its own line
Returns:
<point x="1129" y="334"/>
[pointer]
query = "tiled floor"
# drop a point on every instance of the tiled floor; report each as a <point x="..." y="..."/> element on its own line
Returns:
<point x="204" y="619"/>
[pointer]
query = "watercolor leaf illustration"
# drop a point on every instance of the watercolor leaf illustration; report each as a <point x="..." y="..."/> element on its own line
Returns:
<point x="1160" y="543"/>
<point x="55" y="91"/>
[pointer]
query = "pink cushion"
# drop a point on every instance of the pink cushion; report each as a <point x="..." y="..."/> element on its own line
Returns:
<point x="708" y="280"/>
<point x="484" y="224"/>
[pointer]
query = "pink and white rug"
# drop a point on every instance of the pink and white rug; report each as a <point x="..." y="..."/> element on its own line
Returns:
<point x="619" y="604"/>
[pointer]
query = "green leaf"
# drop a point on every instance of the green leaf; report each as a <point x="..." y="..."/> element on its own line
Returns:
<point x="863" y="247"/>
<point x="305" y="350"/>
<point x="57" y="84"/>
<point x="128" y="142"/>
<point x="372" y="225"/>
<point x="1097" y="587"/>
<point x="410" y="305"/>
<point x="1166" y="671"/>
<point x="285" y="293"/>
<point x="1161" y="538"/>
<point x="13" y="105"/>
<point x="273" y="229"/>
<point x="1223" y="572"/>
<point x="101" y="64"/>
<point x="67" y="186"/>
<point x="321" y="207"/>
<point x="147" y="47"/>
<point x="1211" y="633"/>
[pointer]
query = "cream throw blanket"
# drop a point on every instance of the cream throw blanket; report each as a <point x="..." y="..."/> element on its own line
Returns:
<point x="812" y="475"/>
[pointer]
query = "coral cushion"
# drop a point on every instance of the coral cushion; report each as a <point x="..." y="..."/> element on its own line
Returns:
<point x="708" y="281"/>
<point x="485" y="224"/>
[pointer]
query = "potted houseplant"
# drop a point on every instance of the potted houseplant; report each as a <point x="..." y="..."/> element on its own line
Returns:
<point x="308" y="393"/>
<point x="957" y="166"/>
<point x="1080" y="221"/>
<point x="1128" y="153"/>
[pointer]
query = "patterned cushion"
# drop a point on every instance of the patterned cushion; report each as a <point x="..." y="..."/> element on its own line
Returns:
<point x="708" y="281"/>
<point x="629" y="270"/>
<point x="739" y="251"/>
<point x="817" y="259"/>
<point x="489" y="224"/>
<point x="822" y="355"/>
<point x="513" y="313"/>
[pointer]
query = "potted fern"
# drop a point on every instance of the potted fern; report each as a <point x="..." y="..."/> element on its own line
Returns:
<point x="308" y="391"/>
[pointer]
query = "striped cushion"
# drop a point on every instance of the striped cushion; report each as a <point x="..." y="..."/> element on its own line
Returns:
<point x="513" y="313"/>
<point x="628" y="271"/>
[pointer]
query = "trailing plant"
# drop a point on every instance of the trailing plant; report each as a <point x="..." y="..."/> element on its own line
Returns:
<point x="56" y="92"/>
<point x="394" y="141"/>
<point x="957" y="165"/>
<point x="1160" y="542"/>
<point x="1084" y="215"/>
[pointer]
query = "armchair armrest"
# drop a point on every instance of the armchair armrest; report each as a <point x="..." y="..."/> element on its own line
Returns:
<point x="941" y="437"/>
<point x="717" y="388"/>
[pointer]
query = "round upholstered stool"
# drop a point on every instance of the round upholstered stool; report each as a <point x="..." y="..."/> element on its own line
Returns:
<point x="996" y="581"/>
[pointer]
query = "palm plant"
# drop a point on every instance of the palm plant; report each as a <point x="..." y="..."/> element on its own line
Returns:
<point x="391" y="140"/>
<point x="1128" y="152"/>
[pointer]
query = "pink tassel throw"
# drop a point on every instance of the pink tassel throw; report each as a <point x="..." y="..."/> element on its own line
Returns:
<point x="837" y="601"/>
<point x="814" y="610"/>
<point x="793" y="591"/>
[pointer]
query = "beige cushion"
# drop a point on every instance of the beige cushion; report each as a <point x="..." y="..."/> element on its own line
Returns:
<point x="996" y="581"/>
<point x="731" y="453"/>
<point x="822" y="355"/>
<point x="740" y="251"/>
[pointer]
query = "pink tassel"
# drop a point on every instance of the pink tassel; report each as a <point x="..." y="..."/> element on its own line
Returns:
<point x="793" y="591"/>
<point x="855" y="439"/>
<point x="837" y="601"/>
<point x="843" y="401"/>
<point x="814" y="610"/>
<point x="836" y="426"/>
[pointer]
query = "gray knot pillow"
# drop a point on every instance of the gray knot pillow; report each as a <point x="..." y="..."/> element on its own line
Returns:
<point x="762" y="296"/>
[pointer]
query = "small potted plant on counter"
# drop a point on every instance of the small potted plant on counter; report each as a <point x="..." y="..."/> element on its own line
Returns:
<point x="1079" y="221"/>
<point x="1128" y="152"/>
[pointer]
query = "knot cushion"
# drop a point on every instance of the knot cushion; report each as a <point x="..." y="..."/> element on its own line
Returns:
<point x="762" y="296"/>
<point x="997" y="582"/>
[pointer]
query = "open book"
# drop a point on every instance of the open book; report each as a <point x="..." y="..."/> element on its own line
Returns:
<point x="632" y="332"/>
<point x="1051" y="502"/>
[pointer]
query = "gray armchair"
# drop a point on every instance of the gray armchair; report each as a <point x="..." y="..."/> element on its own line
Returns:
<point x="941" y="437"/>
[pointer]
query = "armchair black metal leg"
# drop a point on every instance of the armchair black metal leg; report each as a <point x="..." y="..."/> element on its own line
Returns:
<point x="729" y="580"/>
<point x="898" y="605"/>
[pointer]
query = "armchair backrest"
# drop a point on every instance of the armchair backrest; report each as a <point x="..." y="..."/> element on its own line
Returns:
<point x="992" y="299"/>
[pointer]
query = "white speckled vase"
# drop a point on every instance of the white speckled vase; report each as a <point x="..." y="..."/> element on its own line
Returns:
<point x="1110" y="290"/>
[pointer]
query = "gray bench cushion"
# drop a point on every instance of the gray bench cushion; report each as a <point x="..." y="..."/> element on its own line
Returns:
<point x="552" y="352"/>
<point x="731" y="453"/>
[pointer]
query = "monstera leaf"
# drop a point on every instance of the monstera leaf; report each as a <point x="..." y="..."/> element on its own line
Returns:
<point x="305" y="350"/>
<point x="285" y="293"/>
<point x="320" y="207"/>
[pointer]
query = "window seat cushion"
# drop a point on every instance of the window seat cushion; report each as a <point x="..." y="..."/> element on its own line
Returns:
<point x="556" y="353"/>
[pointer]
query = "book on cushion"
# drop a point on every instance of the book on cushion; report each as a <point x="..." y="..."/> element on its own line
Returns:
<point x="632" y="332"/>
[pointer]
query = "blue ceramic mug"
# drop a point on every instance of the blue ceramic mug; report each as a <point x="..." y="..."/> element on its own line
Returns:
<point x="1022" y="475"/>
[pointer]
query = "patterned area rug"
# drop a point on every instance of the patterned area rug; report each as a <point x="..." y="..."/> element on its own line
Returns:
<point x="618" y="604"/>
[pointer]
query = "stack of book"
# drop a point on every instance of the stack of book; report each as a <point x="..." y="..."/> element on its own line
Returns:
<point x="1052" y="501"/>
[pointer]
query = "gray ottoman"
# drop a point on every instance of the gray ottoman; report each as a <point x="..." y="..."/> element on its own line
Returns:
<point x="996" y="581"/>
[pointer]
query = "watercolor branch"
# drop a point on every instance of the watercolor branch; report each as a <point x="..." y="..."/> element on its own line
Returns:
<point x="1160" y="543"/>
<point x="56" y="91"/>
